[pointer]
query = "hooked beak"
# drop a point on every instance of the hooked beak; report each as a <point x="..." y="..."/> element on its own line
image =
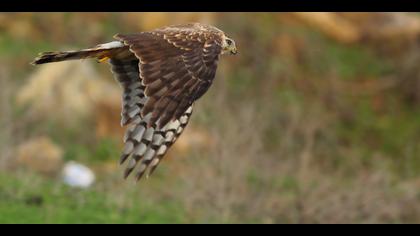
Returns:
<point x="233" y="52"/>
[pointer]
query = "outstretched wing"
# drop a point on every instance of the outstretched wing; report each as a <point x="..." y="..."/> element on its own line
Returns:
<point x="142" y="142"/>
<point x="177" y="66"/>
<point x="162" y="74"/>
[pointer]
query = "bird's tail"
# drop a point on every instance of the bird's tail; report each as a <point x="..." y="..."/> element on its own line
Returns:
<point x="100" y="52"/>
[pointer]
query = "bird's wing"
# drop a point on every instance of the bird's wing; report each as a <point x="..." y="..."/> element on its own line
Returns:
<point x="142" y="142"/>
<point x="176" y="68"/>
<point x="146" y="143"/>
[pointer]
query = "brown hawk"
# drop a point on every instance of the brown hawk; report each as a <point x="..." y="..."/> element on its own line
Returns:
<point x="162" y="73"/>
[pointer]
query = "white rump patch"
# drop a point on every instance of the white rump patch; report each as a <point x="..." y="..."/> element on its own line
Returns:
<point x="113" y="44"/>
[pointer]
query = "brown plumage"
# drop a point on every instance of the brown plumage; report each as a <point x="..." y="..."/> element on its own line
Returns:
<point x="162" y="73"/>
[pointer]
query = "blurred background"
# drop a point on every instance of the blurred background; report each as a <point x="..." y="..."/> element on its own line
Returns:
<point x="316" y="120"/>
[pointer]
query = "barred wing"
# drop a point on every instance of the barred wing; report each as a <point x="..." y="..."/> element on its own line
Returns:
<point x="142" y="142"/>
<point x="162" y="74"/>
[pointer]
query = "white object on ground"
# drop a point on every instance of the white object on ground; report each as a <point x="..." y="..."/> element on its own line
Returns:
<point x="78" y="175"/>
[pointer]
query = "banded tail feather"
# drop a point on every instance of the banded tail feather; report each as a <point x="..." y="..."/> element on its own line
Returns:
<point x="100" y="52"/>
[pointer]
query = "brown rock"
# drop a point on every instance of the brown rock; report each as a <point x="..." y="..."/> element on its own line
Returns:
<point x="332" y="25"/>
<point x="390" y="32"/>
<point x="41" y="155"/>
<point x="66" y="92"/>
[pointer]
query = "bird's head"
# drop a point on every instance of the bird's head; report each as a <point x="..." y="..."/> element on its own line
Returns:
<point x="229" y="46"/>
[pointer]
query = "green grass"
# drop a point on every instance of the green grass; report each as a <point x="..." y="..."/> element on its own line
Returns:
<point x="103" y="150"/>
<point x="347" y="61"/>
<point x="33" y="199"/>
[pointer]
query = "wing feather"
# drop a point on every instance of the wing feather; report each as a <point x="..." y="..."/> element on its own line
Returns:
<point x="143" y="143"/>
<point x="166" y="71"/>
<point x="176" y="68"/>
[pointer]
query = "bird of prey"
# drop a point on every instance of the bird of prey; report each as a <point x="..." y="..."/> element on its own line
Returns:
<point x="162" y="73"/>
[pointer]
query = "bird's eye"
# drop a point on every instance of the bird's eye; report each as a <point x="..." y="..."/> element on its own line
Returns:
<point x="229" y="42"/>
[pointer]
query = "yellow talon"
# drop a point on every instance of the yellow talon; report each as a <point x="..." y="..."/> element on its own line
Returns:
<point x="103" y="59"/>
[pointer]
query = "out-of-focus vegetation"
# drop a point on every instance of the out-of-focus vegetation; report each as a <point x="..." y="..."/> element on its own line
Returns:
<point x="316" y="120"/>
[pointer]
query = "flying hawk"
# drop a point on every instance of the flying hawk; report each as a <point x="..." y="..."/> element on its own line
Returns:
<point x="162" y="73"/>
